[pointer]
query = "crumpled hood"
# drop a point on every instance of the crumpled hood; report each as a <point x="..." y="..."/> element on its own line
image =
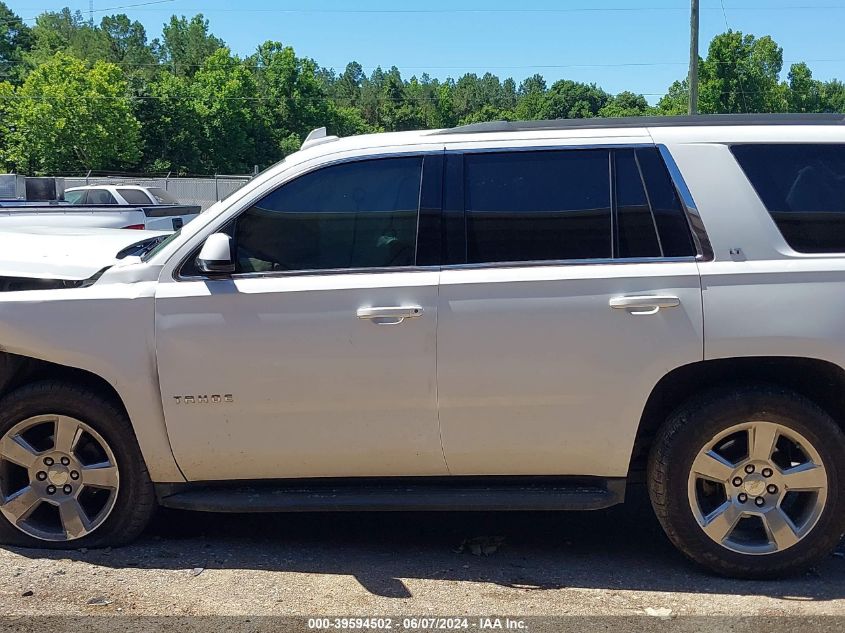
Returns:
<point x="63" y="253"/>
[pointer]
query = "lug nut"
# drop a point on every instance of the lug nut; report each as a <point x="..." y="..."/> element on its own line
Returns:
<point x="51" y="490"/>
<point x="737" y="481"/>
<point x="749" y="469"/>
<point x="41" y="475"/>
<point x="767" y="472"/>
<point x="760" y="501"/>
<point x="48" y="461"/>
<point x="773" y="489"/>
<point x="67" y="489"/>
<point x="65" y="461"/>
<point x="74" y="475"/>
<point x="742" y="497"/>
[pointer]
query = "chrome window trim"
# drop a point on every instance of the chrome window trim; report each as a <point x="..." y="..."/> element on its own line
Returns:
<point x="553" y="263"/>
<point x="221" y="222"/>
<point x="696" y="224"/>
<point x="325" y="272"/>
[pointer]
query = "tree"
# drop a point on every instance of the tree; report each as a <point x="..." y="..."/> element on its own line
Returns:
<point x="7" y="109"/>
<point x="741" y="74"/>
<point x="805" y="93"/>
<point x="626" y="104"/>
<point x="573" y="100"/>
<point x="223" y="95"/>
<point x="69" y="33"/>
<point x="15" y="40"/>
<point x="68" y="116"/>
<point x="186" y="44"/>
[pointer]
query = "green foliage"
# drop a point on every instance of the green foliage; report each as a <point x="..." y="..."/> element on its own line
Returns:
<point x="78" y="96"/>
<point x="186" y="44"/>
<point x="15" y="41"/>
<point x="69" y="116"/>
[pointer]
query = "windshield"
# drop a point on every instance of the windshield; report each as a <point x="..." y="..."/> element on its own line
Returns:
<point x="157" y="245"/>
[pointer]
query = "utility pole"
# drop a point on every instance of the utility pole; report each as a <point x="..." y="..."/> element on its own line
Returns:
<point x="91" y="13"/>
<point x="693" y="58"/>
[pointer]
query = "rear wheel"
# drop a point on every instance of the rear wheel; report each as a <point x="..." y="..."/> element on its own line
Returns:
<point x="71" y="474"/>
<point x="747" y="481"/>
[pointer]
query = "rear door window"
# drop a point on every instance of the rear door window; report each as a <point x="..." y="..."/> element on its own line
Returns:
<point x="100" y="196"/>
<point x="537" y="206"/>
<point x="803" y="188"/>
<point x="75" y="197"/>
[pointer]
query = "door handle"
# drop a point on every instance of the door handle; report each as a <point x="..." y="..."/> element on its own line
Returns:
<point x="644" y="304"/>
<point x="392" y="315"/>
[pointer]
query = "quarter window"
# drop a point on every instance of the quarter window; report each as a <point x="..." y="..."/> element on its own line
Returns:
<point x="351" y="215"/>
<point x="134" y="196"/>
<point x="803" y="188"/>
<point x="530" y="206"/>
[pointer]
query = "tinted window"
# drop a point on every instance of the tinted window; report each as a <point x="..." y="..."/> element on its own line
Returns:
<point x="636" y="230"/>
<point x="352" y="215"/>
<point x="803" y="188"/>
<point x="524" y="206"/>
<point x="100" y="196"/>
<point x="162" y="196"/>
<point x="669" y="215"/>
<point x="75" y="197"/>
<point x="134" y="196"/>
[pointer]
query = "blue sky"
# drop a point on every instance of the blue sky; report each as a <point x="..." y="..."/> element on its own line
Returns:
<point x="639" y="45"/>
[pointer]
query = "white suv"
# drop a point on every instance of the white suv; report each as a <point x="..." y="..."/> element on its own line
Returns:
<point x="501" y="316"/>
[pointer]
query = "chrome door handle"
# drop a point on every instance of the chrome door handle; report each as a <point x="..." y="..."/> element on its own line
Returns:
<point x="644" y="304"/>
<point x="392" y="315"/>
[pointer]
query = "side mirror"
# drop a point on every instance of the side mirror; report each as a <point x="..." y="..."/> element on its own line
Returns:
<point x="216" y="255"/>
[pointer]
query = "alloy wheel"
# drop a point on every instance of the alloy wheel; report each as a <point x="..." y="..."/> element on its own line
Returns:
<point x="757" y="488"/>
<point x="58" y="478"/>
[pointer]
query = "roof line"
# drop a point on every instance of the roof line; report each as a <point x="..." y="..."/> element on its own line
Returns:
<point x="649" y="121"/>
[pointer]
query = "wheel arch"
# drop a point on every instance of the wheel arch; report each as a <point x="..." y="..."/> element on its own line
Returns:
<point x="18" y="370"/>
<point x="821" y="381"/>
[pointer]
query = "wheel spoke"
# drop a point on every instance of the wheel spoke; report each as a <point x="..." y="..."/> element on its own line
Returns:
<point x="720" y="523"/>
<point x="711" y="465"/>
<point x="780" y="528"/>
<point x="21" y="504"/>
<point x="74" y="519"/>
<point x="100" y="476"/>
<point x="67" y="434"/>
<point x="761" y="441"/>
<point x="18" y="450"/>
<point x="807" y="476"/>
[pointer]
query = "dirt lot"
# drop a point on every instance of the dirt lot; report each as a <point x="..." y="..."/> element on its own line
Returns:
<point x="611" y="563"/>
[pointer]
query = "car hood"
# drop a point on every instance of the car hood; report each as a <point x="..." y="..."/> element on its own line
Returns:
<point x="64" y="254"/>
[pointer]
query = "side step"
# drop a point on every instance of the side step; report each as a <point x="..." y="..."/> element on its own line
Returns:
<point x="430" y="494"/>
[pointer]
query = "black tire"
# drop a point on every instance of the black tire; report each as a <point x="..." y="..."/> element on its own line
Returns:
<point x="135" y="502"/>
<point x="693" y="425"/>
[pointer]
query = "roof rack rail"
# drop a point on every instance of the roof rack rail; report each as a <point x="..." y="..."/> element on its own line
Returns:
<point x="649" y="121"/>
<point x="317" y="136"/>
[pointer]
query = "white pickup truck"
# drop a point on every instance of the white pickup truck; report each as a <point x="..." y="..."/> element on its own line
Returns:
<point x="499" y="316"/>
<point x="15" y="214"/>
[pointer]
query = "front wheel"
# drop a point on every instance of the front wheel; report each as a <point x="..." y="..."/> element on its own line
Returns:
<point x="747" y="482"/>
<point x="71" y="474"/>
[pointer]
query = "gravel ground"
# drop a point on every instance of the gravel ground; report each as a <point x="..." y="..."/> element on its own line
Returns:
<point x="609" y="563"/>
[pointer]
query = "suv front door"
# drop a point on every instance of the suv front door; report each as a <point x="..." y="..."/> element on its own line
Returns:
<point x="542" y="369"/>
<point x="317" y="357"/>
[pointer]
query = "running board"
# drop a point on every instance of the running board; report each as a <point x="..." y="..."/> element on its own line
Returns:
<point x="466" y="494"/>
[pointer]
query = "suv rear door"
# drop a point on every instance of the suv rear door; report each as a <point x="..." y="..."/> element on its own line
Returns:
<point x="570" y="287"/>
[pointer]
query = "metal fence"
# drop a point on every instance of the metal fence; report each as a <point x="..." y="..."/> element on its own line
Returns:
<point x="199" y="191"/>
